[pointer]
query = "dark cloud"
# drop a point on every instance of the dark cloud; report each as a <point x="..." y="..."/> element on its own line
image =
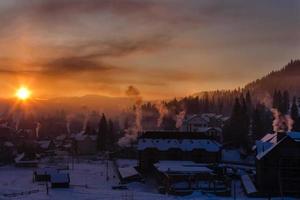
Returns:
<point x="69" y="65"/>
<point x="132" y="91"/>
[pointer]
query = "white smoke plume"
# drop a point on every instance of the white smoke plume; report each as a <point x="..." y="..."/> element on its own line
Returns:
<point x="17" y="118"/>
<point x="131" y="133"/>
<point x="281" y="122"/>
<point x="180" y="118"/>
<point x="37" y="129"/>
<point x="86" y="117"/>
<point x="129" y="138"/>
<point x="163" y="111"/>
<point x="68" y="123"/>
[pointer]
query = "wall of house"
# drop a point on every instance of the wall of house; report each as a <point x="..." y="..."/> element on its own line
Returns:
<point x="279" y="171"/>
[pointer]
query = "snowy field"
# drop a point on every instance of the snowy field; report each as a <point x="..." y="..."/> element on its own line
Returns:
<point x="90" y="180"/>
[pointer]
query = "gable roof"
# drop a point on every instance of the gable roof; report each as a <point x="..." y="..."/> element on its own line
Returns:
<point x="295" y="136"/>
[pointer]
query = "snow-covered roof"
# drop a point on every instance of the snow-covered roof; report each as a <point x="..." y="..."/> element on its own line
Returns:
<point x="60" y="178"/>
<point x="21" y="158"/>
<point x="8" y="144"/>
<point x="248" y="184"/>
<point x="128" y="172"/>
<point x="46" y="171"/>
<point x="273" y="142"/>
<point x="184" y="145"/>
<point x="295" y="136"/>
<point x="44" y="144"/>
<point x="181" y="167"/>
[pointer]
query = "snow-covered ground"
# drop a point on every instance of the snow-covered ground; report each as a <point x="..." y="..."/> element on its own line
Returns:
<point x="90" y="180"/>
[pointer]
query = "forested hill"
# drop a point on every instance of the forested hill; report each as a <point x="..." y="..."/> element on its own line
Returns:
<point x="287" y="78"/>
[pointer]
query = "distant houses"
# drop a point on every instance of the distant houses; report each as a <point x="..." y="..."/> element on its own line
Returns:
<point x="278" y="164"/>
<point x="85" y="143"/>
<point x="155" y="146"/>
<point x="209" y="123"/>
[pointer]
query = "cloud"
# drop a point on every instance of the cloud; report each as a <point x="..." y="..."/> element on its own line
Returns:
<point x="132" y="91"/>
<point x="69" y="65"/>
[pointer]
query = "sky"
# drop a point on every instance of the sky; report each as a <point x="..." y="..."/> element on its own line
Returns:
<point x="165" y="48"/>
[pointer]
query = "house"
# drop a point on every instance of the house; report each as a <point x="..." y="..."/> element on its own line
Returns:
<point x="7" y="151"/>
<point x="60" y="180"/>
<point x="184" y="177"/>
<point x="85" y="144"/>
<point x="154" y="146"/>
<point x="207" y="123"/>
<point x="278" y="164"/>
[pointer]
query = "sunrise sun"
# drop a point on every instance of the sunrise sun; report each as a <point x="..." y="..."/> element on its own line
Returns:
<point x="23" y="93"/>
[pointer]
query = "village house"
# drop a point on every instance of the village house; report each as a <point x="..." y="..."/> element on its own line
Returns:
<point x="44" y="174"/>
<point x="156" y="145"/>
<point x="278" y="164"/>
<point x="85" y="144"/>
<point x="184" y="177"/>
<point x="208" y="123"/>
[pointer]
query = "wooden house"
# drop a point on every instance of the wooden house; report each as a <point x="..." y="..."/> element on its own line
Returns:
<point x="156" y="145"/>
<point x="278" y="165"/>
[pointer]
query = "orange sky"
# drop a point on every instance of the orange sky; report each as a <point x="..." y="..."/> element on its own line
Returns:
<point x="164" y="48"/>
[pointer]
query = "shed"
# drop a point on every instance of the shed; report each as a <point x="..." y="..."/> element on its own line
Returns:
<point x="60" y="180"/>
<point x="44" y="174"/>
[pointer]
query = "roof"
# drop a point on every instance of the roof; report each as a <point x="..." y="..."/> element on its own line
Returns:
<point x="44" y="144"/>
<point x="181" y="167"/>
<point x="60" y="178"/>
<point x="21" y="158"/>
<point x="173" y="135"/>
<point x="295" y="136"/>
<point x="184" y="145"/>
<point x="128" y="172"/>
<point x="248" y="184"/>
<point x="46" y="171"/>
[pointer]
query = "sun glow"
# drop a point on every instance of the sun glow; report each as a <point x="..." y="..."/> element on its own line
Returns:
<point x="23" y="93"/>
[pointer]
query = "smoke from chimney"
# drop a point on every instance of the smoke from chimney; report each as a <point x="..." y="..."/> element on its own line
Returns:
<point x="37" y="129"/>
<point x="163" y="111"/>
<point x="281" y="122"/>
<point x="86" y="117"/>
<point x="180" y="118"/>
<point x="131" y="133"/>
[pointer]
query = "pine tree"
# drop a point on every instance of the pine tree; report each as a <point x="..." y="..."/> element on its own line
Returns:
<point x="234" y="128"/>
<point x="102" y="133"/>
<point x="111" y="135"/>
<point x="257" y="124"/>
<point x="275" y="100"/>
<point x="245" y="124"/>
<point x="249" y="102"/>
<point x="285" y="102"/>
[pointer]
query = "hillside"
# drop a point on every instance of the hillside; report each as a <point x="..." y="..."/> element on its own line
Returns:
<point x="287" y="78"/>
